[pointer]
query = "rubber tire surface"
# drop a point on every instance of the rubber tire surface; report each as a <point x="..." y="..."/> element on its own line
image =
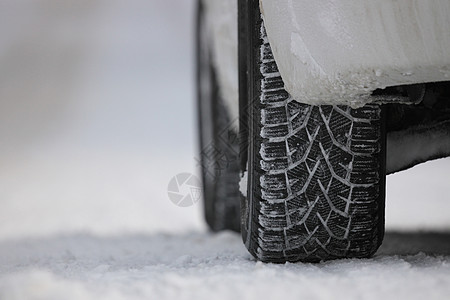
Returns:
<point x="316" y="174"/>
<point x="219" y="148"/>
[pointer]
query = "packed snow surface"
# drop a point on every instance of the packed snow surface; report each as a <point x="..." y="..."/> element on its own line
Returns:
<point x="206" y="266"/>
<point x="91" y="139"/>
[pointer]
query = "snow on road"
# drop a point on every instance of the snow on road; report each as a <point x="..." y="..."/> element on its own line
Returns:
<point x="93" y="134"/>
<point x="205" y="266"/>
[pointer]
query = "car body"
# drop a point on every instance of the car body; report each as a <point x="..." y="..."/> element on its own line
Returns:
<point x="312" y="104"/>
<point x="341" y="52"/>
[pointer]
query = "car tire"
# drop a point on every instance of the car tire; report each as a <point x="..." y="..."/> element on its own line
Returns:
<point x="315" y="175"/>
<point x="219" y="147"/>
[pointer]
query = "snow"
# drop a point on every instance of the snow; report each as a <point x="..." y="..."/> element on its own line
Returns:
<point x="243" y="183"/>
<point x="89" y="149"/>
<point x="202" y="265"/>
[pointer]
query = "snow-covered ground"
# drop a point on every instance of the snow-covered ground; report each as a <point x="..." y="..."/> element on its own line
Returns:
<point x="96" y="117"/>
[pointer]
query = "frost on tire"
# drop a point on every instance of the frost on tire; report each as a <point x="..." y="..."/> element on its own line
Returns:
<point x="316" y="173"/>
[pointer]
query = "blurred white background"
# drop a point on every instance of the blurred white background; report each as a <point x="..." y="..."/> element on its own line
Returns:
<point x="97" y="113"/>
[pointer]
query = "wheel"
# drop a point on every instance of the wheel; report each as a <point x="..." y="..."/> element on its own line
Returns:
<point x="219" y="147"/>
<point x="315" y="174"/>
